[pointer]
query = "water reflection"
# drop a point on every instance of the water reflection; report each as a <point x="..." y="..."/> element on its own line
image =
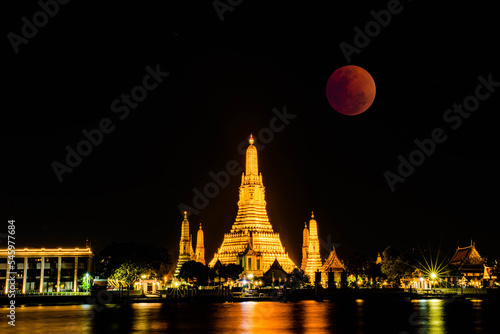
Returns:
<point x="262" y="317"/>
<point x="432" y="316"/>
<point x="316" y="316"/>
<point x="478" y="318"/>
<point x="50" y="319"/>
<point x="359" y="313"/>
<point x="429" y="316"/>
<point x="147" y="318"/>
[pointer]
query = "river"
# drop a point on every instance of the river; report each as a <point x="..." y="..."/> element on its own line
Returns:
<point x="433" y="316"/>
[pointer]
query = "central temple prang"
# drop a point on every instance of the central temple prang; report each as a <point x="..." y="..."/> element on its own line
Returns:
<point x="252" y="242"/>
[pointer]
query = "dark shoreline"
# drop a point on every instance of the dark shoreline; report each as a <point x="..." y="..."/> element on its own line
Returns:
<point x="214" y="297"/>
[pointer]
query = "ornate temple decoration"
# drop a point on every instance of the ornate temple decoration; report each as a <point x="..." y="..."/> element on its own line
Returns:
<point x="252" y="242"/>
<point x="305" y="247"/>
<point x="186" y="252"/>
<point x="469" y="262"/>
<point x="333" y="263"/>
<point x="314" y="262"/>
<point x="200" y="247"/>
<point x="185" y="247"/>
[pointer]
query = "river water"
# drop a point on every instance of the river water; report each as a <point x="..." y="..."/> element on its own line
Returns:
<point x="433" y="316"/>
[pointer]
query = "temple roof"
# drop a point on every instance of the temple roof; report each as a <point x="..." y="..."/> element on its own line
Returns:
<point x="332" y="262"/>
<point x="467" y="256"/>
<point x="276" y="266"/>
<point x="217" y="265"/>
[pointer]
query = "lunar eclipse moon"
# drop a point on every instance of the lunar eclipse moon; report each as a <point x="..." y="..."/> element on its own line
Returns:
<point x="350" y="90"/>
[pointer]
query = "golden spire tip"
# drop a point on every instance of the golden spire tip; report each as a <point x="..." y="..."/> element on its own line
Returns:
<point x="251" y="140"/>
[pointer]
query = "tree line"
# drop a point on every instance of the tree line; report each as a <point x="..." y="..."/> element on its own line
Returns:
<point x="124" y="263"/>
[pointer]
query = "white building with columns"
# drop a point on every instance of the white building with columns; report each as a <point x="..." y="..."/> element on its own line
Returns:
<point x="38" y="270"/>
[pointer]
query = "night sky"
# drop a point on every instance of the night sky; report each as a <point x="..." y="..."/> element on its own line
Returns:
<point x="225" y="78"/>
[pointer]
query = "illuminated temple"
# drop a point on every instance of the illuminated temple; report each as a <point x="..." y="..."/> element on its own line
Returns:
<point x="252" y="242"/>
<point x="313" y="262"/>
<point x="186" y="252"/>
<point x="311" y="257"/>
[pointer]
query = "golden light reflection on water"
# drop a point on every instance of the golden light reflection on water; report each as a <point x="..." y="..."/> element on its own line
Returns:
<point x="262" y="317"/>
<point x="352" y="316"/>
<point x="316" y="317"/>
<point x="272" y="317"/>
<point x="51" y="319"/>
<point x="359" y="312"/>
<point x="431" y="315"/>
<point x="147" y="317"/>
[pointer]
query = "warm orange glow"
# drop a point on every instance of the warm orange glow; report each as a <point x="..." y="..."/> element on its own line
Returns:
<point x="252" y="226"/>
<point x="314" y="262"/>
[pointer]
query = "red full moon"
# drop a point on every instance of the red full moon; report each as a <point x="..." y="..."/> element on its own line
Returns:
<point x="350" y="90"/>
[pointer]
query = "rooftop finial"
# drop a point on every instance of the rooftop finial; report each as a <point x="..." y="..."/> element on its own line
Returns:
<point x="312" y="214"/>
<point x="251" y="141"/>
<point x="185" y="214"/>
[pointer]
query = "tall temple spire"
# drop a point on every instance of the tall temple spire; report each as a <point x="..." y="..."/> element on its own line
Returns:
<point x="252" y="166"/>
<point x="252" y="241"/>
<point x="200" y="246"/>
<point x="313" y="256"/>
<point x="252" y="212"/>
<point x="191" y="251"/>
<point x="305" y="247"/>
<point x="184" y="245"/>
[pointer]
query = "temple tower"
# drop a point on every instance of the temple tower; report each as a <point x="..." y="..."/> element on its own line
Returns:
<point x="313" y="257"/>
<point x="252" y="242"/>
<point x="191" y="251"/>
<point x="200" y="247"/>
<point x="185" y="248"/>
<point x="305" y="247"/>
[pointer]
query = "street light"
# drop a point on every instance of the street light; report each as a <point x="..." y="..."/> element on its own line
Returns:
<point x="250" y="280"/>
<point x="433" y="276"/>
<point x="87" y="277"/>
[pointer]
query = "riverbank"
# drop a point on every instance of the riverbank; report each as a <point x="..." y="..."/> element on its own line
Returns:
<point x="215" y="296"/>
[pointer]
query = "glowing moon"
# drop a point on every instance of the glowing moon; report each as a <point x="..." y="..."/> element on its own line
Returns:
<point x="350" y="90"/>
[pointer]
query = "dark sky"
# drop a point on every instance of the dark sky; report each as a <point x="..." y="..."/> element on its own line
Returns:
<point x="225" y="78"/>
